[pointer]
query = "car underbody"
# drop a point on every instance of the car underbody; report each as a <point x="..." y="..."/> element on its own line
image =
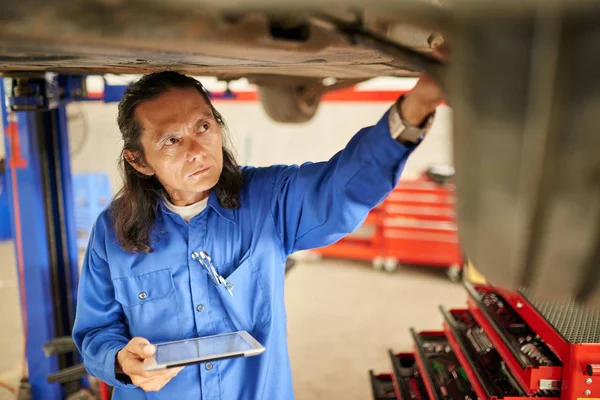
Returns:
<point x="522" y="81"/>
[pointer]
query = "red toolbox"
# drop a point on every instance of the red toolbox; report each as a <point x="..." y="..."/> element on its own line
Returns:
<point x="442" y="373"/>
<point x="570" y="331"/>
<point x="382" y="386"/>
<point x="482" y="362"/>
<point x="415" y="224"/>
<point x="506" y="329"/>
<point x="408" y="382"/>
<point x="504" y="345"/>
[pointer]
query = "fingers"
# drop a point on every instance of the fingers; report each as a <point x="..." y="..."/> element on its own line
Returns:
<point x="136" y="367"/>
<point x="152" y="377"/>
<point x="148" y="351"/>
<point x="141" y="347"/>
<point x="156" y="383"/>
<point x="132" y="362"/>
<point x="151" y="385"/>
<point x="175" y="371"/>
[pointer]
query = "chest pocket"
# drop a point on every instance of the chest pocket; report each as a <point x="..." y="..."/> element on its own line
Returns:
<point x="249" y="307"/>
<point x="150" y="304"/>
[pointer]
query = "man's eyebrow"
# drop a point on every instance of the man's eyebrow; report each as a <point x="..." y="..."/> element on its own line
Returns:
<point x="204" y="116"/>
<point x="160" y="136"/>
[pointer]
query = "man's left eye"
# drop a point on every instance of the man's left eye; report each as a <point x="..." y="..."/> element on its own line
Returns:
<point x="204" y="127"/>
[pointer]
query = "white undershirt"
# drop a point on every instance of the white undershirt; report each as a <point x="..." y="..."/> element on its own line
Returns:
<point x="187" y="212"/>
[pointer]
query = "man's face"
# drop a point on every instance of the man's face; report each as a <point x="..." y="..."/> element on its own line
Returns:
<point x="182" y="144"/>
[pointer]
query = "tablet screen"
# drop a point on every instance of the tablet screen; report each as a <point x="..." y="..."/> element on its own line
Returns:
<point x="200" y="348"/>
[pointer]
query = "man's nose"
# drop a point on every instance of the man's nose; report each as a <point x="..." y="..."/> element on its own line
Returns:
<point x="194" y="150"/>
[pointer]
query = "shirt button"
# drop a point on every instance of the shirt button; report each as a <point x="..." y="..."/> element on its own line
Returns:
<point x="200" y="307"/>
<point x="142" y="296"/>
<point x="195" y="255"/>
<point x="208" y="366"/>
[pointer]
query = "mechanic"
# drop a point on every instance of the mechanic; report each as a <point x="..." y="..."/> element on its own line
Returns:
<point x="183" y="193"/>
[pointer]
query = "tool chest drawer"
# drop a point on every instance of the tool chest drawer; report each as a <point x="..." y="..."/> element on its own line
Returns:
<point x="482" y="363"/>
<point x="382" y="386"/>
<point x="531" y="361"/>
<point x="442" y="373"/>
<point x="408" y="382"/>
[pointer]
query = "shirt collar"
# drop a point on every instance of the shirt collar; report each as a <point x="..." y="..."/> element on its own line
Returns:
<point x="213" y="202"/>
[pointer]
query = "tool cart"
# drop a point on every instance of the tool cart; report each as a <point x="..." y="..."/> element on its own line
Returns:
<point x="502" y="345"/>
<point x="414" y="225"/>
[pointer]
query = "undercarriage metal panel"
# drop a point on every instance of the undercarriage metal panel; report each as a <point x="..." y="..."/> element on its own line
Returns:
<point x="523" y="82"/>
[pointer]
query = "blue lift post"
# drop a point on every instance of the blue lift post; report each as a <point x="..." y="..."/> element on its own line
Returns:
<point x="42" y="206"/>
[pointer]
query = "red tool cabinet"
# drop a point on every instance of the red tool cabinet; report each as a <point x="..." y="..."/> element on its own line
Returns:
<point x="415" y="224"/>
<point x="502" y="345"/>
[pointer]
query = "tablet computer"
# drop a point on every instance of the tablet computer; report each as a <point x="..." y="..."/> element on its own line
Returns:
<point x="202" y="349"/>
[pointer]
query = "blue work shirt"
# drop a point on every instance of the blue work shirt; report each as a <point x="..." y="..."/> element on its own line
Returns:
<point x="166" y="295"/>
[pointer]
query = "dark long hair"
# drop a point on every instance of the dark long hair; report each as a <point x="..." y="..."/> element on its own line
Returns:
<point x="133" y="211"/>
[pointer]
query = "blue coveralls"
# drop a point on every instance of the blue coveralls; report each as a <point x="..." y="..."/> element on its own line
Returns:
<point x="283" y="209"/>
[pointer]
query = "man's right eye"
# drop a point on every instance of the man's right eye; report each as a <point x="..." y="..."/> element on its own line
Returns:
<point x="171" y="141"/>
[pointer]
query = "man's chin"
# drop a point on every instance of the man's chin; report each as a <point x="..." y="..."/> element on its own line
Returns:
<point x="202" y="185"/>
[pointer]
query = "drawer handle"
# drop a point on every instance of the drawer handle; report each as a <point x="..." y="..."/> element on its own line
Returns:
<point x="593" y="369"/>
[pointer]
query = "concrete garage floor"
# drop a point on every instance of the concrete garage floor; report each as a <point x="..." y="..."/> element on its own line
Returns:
<point x="342" y="318"/>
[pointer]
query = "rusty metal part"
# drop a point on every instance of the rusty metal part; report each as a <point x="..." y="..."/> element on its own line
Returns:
<point x="215" y="39"/>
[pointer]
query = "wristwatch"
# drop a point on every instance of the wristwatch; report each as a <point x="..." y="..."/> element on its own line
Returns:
<point x="402" y="130"/>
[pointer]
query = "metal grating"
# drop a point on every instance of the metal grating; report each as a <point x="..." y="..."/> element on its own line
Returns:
<point x="575" y="323"/>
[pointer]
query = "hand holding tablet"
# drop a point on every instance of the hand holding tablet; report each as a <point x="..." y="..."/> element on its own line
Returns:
<point x="203" y="349"/>
<point x="129" y="366"/>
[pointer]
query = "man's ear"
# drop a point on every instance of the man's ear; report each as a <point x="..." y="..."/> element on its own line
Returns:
<point x="133" y="159"/>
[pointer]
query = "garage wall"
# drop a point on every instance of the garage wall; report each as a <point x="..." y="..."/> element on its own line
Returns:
<point x="95" y="138"/>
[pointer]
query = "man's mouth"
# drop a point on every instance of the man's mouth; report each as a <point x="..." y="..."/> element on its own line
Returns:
<point x="199" y="172"/>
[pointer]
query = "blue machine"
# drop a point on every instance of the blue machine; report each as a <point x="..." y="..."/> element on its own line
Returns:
<point x="5" y="218"/>
<point x="43" y="222"/>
